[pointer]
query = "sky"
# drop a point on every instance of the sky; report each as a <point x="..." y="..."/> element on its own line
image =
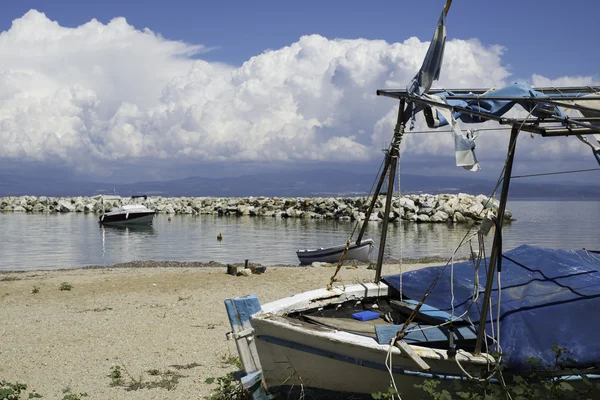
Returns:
<point x="134" y="90"/>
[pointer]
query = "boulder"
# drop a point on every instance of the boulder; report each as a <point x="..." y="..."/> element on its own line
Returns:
<point x="458" y="217"/>
<point x="19" y="209"/>
<point x="425" y="211"/>
<point x="64" y="206"/>
<point x="439" y="216"/>
<point x="423" y="218"/>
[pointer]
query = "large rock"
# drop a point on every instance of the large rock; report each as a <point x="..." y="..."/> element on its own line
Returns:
<point x="475" y="211"/>
<point x="19" y="209"/>
<point x="458" y="217"/>
<point x="423" y="218"/>
<point x="439" y="216"/>
<point x="64" y="206"/>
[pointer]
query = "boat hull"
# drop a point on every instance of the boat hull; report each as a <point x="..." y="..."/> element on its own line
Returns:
<point x="133" y="218"/>
<point x="332" y="254"/>
<point x="293" y="352"/>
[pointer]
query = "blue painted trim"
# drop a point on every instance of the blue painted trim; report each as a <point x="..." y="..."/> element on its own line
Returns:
<point x="240" y="309"/>
<point x="362" y="363"/>
<point x="395" y="370"/>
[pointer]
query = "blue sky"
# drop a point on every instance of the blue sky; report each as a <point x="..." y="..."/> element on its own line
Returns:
<point x="264" y="84"/>
<point x="550" y="37"/>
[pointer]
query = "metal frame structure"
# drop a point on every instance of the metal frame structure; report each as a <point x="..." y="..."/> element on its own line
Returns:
<point x="547" y="126"/>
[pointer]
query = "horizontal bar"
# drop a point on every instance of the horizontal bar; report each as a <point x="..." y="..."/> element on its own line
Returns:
<point x="543" y="121"/>
<point x="517" y="98"/>
<point x="545" y="90"/>
<point x="508" y="121"/>
<point x="568" y="132"/>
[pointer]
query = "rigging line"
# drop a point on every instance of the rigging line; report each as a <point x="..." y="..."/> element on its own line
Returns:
<point x="414" y="312"/>
<point x="556" y="173"/>
<point x="341" y="260"/>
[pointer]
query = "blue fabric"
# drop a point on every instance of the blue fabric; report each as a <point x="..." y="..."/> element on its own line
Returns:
<point x="240" y="309"/>
<point x="548" y="296"/>
<point x="499" y="107"/>
<point x="432" y="64"/>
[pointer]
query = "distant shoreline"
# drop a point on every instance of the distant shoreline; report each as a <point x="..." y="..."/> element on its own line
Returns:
<point x="150" y="264"/>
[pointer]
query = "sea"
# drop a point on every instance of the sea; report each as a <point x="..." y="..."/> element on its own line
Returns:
<point x="76" y="240"/>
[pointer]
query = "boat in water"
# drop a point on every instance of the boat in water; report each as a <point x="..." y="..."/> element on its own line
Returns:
<point x="128" y="214"/>
<point x="490" y="320"/>
<point x="359" y="252"/>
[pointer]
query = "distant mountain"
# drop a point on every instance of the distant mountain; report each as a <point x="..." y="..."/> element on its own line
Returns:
<point x="321" y="182"/>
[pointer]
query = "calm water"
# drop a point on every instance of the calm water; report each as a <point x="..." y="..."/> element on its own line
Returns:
<point x="35" y="241"/>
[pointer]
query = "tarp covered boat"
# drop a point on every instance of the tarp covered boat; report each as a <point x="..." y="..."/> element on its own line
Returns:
<point x="547" y="296"/>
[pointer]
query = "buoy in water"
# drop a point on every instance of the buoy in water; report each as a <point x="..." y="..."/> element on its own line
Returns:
<point x="169" y="219"/>
<point x="219" y="237"/>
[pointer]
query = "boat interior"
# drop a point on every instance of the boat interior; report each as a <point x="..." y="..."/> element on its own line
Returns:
<point x="387" y="316"/>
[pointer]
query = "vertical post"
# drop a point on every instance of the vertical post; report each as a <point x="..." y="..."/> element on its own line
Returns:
<point x="394" y="152"/>
<point x="373" y="200"/>
<point x="496" y="250"/>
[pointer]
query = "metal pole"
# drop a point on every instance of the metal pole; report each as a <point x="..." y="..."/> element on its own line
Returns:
<point x="393" y="156"/>
<point x="374" y="199"/>
<point x="545" y="90"/>
<point x="386" y="216"/>
<point x="496" y="250"/>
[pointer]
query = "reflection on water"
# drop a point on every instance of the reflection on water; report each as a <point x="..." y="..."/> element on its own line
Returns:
<point x="38" y="241"/>
<point x="123" y="238"/>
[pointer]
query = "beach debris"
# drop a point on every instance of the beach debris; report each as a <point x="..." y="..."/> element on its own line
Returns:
<point x="245" y="272"/>
<point x="237" y="270"/>
<point x="321" y="264"/>
<point x="232" y="269"/>
<point x="352" y="267"/>
<point x="219" y="237"/>
<point x="257" y="269"/>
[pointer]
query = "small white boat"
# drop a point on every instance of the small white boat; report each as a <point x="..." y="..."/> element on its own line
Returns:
<point x="128" y="214"/>
<point x="355" y="251"/>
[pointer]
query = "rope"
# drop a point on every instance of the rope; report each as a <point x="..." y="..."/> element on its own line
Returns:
<point x="556" y="173"/>
<point x="340" y="263"/>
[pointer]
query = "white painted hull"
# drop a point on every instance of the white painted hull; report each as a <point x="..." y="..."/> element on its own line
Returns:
<point x="127" y="219"/>
<point x="293" y="352"/>
<point x="332" y="254"/>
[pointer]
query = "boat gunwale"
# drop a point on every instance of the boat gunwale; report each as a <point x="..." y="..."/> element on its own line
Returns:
<point x="275" y="315"/>
<point x="334" y="249"/>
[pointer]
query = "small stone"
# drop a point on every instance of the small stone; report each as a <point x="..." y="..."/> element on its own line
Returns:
<point x="321" y="264"/>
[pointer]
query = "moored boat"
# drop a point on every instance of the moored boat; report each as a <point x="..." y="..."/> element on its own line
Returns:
<point x="359" y="252"/>
<point x="128" y="214"/>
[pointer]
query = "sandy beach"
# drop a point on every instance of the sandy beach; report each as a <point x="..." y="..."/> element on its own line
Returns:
<point x="154" y="322"/>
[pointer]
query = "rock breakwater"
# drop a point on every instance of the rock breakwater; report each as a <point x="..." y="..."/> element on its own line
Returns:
<point x="459" y="208"/>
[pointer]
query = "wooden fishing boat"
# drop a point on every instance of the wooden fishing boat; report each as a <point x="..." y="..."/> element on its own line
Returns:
<point x="439" y="323"/>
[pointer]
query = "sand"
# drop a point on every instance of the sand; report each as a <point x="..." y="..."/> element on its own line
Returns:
<point x="162" y="318"/>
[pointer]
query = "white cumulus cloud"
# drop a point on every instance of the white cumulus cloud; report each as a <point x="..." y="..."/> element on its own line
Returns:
<point x="99" y="94"/>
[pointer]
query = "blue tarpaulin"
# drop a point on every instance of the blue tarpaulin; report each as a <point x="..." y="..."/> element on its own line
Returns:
<point x="498" y="108"/>
<point x="548" y="296"/>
